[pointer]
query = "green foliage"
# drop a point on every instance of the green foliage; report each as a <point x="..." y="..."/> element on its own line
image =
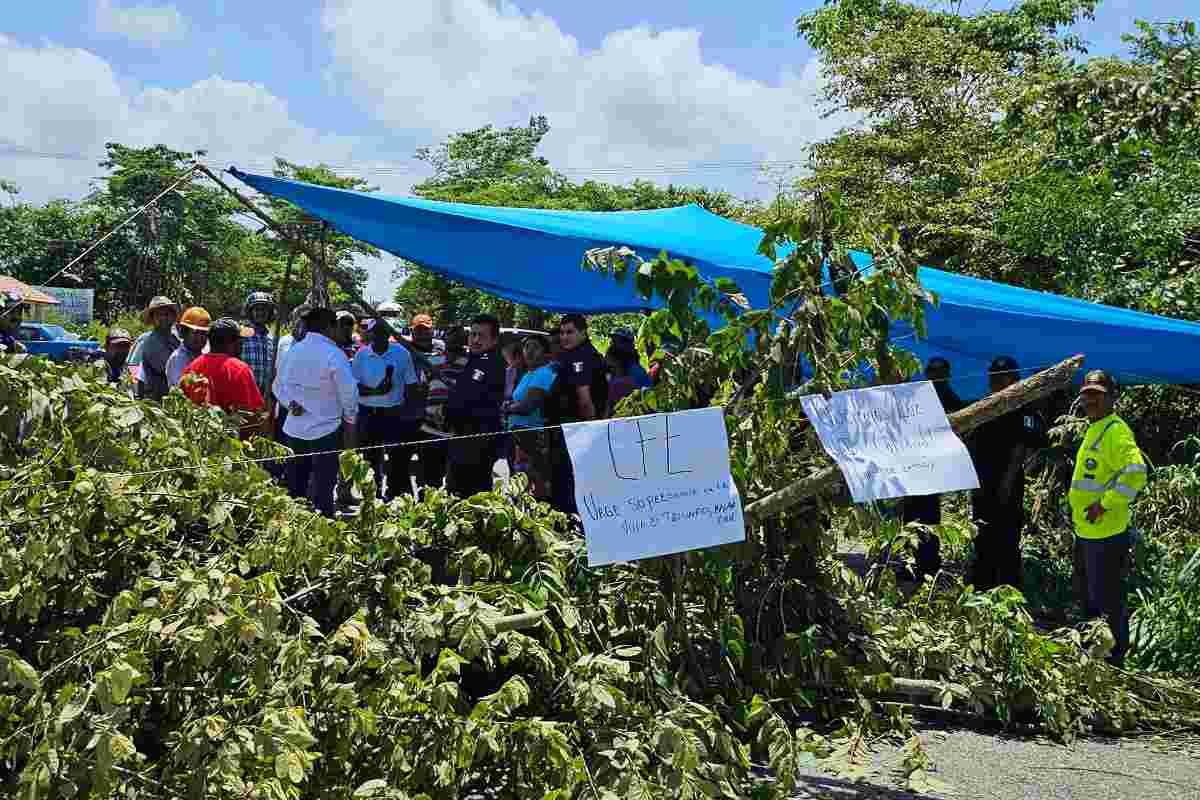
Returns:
<point x="493" y="167"/>
<point x="994" y="154"/>
<point x="176" y="626"/>
<point x="191" y="245"/>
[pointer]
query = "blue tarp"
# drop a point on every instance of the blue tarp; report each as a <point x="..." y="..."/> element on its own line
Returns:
<point x="533" y="256"/>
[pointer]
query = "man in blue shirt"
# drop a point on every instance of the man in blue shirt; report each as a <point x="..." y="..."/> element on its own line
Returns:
<point x="386" y="378"/>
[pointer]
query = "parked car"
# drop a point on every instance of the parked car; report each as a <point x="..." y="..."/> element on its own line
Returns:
<point x="55" y="342"/>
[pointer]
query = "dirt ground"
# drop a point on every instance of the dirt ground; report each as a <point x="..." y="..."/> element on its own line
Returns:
<point x="996" y="767"/>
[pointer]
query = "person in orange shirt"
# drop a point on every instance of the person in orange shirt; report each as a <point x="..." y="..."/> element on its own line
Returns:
<point x="220" y="378"/>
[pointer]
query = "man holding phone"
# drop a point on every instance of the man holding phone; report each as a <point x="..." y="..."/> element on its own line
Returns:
<point x="386" y="378"/>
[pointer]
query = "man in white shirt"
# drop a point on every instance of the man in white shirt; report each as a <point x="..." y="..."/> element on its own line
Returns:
<point x="317" y="387"/>
<point x="386" y="379"/>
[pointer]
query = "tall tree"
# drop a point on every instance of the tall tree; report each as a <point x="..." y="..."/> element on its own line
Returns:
<point x="931" y="87"/>
<point x="340" y="252"/>
<point x="501" y="168"/>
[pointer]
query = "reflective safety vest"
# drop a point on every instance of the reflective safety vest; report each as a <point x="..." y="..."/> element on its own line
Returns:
<point x="1109" y="467"/>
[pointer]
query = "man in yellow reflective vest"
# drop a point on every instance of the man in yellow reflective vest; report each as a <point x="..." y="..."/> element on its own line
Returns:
<point x="1109" y="472"/>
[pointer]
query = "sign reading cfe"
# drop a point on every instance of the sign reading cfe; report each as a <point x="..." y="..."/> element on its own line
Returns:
<point x="891" y="441"/>
<point x="654" y="485"/>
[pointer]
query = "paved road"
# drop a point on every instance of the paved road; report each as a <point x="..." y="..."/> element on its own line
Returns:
<point x="984" y="767"/>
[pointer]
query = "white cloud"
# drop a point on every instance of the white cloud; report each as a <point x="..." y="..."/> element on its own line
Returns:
<point x="62" y="101"/>
<point x="643" y="97"/>
<point x="149" y="25"/>
<point x="78" y="102"/>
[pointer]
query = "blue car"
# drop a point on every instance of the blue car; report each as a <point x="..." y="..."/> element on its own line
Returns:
<point x="55" y="342"/>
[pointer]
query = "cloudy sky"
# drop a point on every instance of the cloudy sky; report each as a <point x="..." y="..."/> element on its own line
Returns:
<point x="697" y="91"/>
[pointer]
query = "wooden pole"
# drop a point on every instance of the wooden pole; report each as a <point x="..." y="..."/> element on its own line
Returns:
<point x="279" y="315"/>
<point x="335" y="274"/>
<point x="829" y="479"/>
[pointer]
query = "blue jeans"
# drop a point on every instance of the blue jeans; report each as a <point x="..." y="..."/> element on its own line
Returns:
<point x="315" y="477"/>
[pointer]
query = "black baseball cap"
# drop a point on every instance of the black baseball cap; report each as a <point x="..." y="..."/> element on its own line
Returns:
<point x="229" y="327"/>
<point x="1004" y="364"/>
<point x="938" y="362"/>
<point x="1098" y="381"/>
<point x="318" y="313"/>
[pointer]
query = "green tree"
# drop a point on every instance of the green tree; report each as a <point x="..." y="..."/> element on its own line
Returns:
<point x="341" y="252"/>
<point x="931" y="88"/>
<point x="501" y="168"/>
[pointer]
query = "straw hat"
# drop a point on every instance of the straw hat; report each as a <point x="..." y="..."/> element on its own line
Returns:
<point x="156" y="304"/>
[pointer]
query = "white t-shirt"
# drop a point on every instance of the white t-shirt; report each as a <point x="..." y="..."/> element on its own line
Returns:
<point x="370" y="367"/>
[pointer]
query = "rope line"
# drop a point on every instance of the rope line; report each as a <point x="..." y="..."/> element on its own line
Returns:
<point x="414" y="443"/>
<point x="185" y="176"/>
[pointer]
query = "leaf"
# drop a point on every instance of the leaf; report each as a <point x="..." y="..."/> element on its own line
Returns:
<point x="295" y="768"/>
<point x="120" y="681"/>
<point x="19" y="670"/>
<point x="371" y="788"/>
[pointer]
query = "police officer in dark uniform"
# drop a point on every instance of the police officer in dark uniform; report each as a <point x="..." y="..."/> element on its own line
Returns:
<point x="580" y="395"/>
<point x="473" y="407"/>
<point x="927" y="509"/>
<point x="999" y="449"/>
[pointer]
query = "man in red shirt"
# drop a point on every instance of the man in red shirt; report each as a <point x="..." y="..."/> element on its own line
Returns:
<point x="219" y="377"/>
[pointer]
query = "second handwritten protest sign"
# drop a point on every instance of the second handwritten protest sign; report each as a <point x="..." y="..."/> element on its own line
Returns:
<point x="654" y="485"/>
<point x="891" y="441"/>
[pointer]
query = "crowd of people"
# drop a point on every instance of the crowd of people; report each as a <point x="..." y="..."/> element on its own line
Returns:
<point x="426" y="411"/>
<point x="442" y="411"/>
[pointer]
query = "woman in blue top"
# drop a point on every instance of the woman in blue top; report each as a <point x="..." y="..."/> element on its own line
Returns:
<point x="526" y="411"/>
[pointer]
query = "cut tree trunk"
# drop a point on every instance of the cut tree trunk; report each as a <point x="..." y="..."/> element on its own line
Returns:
<point x="829" y="480"/>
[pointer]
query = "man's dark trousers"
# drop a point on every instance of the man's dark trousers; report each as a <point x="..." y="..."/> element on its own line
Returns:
<point x="1104" y="563"/>
<point x="315" y="476"/>
<point x="388" y="426"/>
<point x="562" y="474"/>
<point x="926" y="509"/>
<point x="473" y="459"/>
<point x="998" y="542"/>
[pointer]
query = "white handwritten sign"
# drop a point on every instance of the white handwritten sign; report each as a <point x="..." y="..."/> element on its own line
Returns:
<point x="654" y="485"/>
<point x="891" y="441"/>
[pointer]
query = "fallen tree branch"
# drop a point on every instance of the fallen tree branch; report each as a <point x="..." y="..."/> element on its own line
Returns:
<point x="829" y="480"/>
<point x="518" y="622"/>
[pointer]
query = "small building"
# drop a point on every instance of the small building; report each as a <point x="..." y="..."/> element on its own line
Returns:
<point x="38" y="304"/>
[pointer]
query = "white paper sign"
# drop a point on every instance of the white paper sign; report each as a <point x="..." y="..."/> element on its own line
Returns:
<point x="892" y="441"/>
<point x="654" y="485"/>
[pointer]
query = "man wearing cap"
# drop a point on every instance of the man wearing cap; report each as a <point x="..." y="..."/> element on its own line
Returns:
<point x="386" y="377"/>
<point x="317" y="386"/>
<point x="428" y="401"/>
<point x="927" y="509"/>
<point x="221" y="378"/>
<point x="193" y="324"/>
<point x="1109" y="473"/>
<point x="258" y="350"/>
<point x="117" y="344"/>
<point x="157" y="348"/>
<point x="999" y="449"/>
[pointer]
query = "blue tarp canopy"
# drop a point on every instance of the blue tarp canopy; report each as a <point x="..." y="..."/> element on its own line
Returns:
<point x="533" y="256"/>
